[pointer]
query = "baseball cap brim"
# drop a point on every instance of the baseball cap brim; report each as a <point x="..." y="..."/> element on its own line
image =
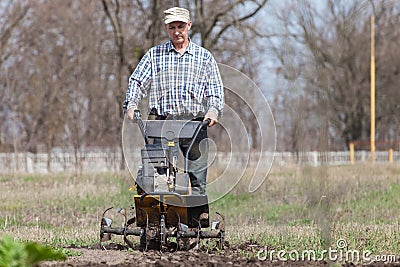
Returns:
<point x="173" y="19"/>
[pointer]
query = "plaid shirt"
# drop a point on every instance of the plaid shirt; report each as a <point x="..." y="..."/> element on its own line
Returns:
<point x="179" y="84"/>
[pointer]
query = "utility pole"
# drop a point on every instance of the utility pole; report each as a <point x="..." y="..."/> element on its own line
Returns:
<point x="372" y="90"/>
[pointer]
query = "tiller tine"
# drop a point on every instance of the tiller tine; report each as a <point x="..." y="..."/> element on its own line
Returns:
<point x="106" y="231"/>
<point x="105" y="222"/>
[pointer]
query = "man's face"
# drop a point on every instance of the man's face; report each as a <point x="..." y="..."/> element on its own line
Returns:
<point x="178" y="31"/>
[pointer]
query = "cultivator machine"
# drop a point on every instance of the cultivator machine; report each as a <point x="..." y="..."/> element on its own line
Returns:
<point x="165" y="212"/>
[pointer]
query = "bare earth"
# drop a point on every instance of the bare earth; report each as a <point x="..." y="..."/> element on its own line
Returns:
<point x="117" y="255"/>
<point x="97" y="257"/>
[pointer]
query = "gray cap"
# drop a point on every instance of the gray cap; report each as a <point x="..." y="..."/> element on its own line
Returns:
<point x="176" y="14"/>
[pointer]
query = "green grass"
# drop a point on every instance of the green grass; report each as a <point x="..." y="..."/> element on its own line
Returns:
<point x="314" y="207"/>
<point x="70" y="253"/>
<point x="374" y="207"/>
<point x="293" y="199"/>
<point x="252" y="208"/>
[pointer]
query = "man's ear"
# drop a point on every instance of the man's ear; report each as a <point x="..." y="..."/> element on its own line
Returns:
<point x="189" y="25"/>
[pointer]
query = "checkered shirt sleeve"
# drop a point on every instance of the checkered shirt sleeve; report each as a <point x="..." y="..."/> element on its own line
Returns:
<point x="178" y="84"/>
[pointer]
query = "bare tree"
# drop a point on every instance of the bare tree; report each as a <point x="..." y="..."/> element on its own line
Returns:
<point x="16" y="13"/>
<point x="64" y="68"/>
<point x="325" y="52"/>
<point x="11" y="17"/>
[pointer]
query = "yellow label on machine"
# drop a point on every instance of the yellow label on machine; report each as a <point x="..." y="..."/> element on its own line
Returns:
<point x="132" y="188"/>
<point x="171" y="144"/>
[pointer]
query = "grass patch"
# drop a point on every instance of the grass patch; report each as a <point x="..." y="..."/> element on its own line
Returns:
<point x="314" y="207"/>
<point x="252" y="208"/>
<point x="374" y="207"/>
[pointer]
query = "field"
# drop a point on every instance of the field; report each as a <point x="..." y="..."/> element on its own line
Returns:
<point x="346" y="209"/>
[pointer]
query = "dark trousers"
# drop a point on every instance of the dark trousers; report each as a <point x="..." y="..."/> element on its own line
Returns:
<point x="198" y="161"/>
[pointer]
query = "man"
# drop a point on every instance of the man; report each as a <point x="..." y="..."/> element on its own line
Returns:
<point x="184" y="83"/>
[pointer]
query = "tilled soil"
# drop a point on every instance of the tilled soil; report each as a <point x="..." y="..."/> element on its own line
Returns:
<point x="117" y="255"/>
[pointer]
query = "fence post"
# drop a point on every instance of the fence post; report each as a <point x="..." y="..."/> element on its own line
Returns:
<point x="390" y="155"/>
<point x="351" y="146"/>
<point x="29" y="162"/>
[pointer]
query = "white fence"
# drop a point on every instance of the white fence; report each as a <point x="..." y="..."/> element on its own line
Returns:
<point x="111" y="161"/>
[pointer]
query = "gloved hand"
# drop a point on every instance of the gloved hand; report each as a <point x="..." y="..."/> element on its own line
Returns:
<point x="212" y="116"/>
<point x="131" y="113"/>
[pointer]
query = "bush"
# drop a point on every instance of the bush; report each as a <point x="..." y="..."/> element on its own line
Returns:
<point x="16" y="254"/>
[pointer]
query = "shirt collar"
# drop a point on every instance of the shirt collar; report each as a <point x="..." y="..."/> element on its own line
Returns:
<point x="189" y="48"/>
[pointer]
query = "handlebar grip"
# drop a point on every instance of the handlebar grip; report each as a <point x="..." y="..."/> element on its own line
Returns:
<point x="138" y="119"/>
<point x="205" y="123"/>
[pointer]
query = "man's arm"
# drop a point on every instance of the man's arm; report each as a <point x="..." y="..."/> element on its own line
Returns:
<point x="138" y="84"/>
<point x="214" y="93"/>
